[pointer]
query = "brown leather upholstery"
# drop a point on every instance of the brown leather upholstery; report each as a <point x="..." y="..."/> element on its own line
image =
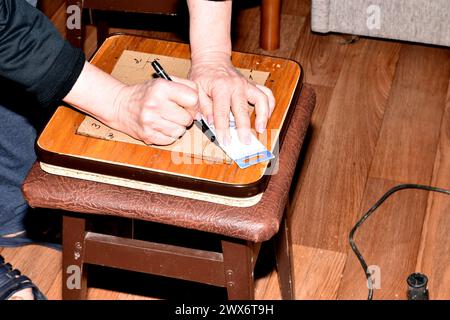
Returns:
<point x="257" y="223"/>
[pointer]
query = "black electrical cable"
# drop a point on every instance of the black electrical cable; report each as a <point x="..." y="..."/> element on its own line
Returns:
<point x="370" y="212"/>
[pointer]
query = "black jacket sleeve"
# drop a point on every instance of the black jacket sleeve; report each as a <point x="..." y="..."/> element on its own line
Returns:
<point x="33" y="54"/>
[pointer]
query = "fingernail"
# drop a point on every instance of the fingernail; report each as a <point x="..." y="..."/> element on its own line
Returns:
<point x="198" y="116"/>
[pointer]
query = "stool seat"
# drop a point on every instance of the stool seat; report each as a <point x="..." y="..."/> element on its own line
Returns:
<point x="257" y="223"/>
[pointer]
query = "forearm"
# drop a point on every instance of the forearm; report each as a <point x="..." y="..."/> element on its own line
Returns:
<point x="210" y="28"/>
<point x="96" y="92"/>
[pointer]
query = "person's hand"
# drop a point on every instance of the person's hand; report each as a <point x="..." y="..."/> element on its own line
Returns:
<point x="157" y="111"/>
<point x="222" y="88"/>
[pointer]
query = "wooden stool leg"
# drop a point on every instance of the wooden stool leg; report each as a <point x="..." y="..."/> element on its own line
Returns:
<point x="74" y="273"/>
<point x="75" y="35"/>
<point x="270" y="24"/>
<point x="283" y="257"/>
<point x="238" y="263"/>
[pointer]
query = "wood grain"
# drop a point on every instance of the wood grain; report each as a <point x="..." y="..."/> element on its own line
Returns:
<point x="58" y="137"/>
<point x="323" y="98"/>
<point x="434" y="254"/>
<point x="357" y="92"/>
<point x="333" y="184"/>
<point x="40" y="264"/>
<point x="321" y="56"/>
<point x="389" y="239"/>
<point x="297" y="7"/>
<point x="409" y="135"/>
<point x="317" y="275"/>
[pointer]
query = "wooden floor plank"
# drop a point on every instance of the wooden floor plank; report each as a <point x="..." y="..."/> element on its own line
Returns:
<point x="434" y="254"/>
<point x="323" y="98"/>
<point x="389" y="239"/>
<point x="317" y="275"/>
<point x="321" y="56"/>
<point x="40" y="264"/>
<point x="297" y="7"/>
<point x="409" y="135"/>
<point x="333" y="186"/>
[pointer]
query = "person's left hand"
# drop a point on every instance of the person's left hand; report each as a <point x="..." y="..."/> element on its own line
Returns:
<point x="222" y="88"/>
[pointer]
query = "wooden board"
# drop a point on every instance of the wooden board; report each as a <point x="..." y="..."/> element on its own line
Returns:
<point x="333" y="185"/>
<point x="389" y="239"/>
<point x="317" y="275"/>
<point x="413" y="116"/>
<point x="434" y="254"/>
<point x="134" y="67"/>
<point x="60" y="145"/>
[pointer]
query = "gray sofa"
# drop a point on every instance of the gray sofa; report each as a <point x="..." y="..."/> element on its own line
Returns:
<point x="426" y="21"/>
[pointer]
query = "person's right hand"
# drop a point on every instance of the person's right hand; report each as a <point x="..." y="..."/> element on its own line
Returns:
<point x="157" y="111"/>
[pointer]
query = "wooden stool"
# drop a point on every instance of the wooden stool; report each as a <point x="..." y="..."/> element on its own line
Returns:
<point x="269" y="30"/>
<point x="242" y="230"/>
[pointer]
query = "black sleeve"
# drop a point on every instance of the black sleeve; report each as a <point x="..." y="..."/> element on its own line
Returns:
<point x="33" y="54"/>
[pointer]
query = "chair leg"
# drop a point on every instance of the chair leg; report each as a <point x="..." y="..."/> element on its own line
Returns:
<point x="283" y="258"/>
<point x="238" y="267"/>
<point x="74" y="273"/>
<point x="102" y="28"/>
<point x="75" y="35"/>
<point x="270" y="24"/>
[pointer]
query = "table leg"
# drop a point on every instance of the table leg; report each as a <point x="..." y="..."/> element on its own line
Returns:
<point x="74" y="273"/>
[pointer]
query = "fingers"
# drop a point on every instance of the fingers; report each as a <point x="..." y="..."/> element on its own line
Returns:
<point x="169" y="129"/>
<point x="269" y="95"/>
<point x="179" y="93"/>
<point x="262" y="108"/>
<point x="239" y="106"/>
<point x="176" y="114"/>
<point x="221" y="101"/>
<point x="158" y="138"/>
<point x="206" y="106"/>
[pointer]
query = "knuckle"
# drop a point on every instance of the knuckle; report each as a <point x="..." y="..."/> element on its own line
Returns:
<point x="149" y="137"/>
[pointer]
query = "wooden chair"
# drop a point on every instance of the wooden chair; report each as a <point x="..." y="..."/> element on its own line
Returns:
<point x="269" y="30"/>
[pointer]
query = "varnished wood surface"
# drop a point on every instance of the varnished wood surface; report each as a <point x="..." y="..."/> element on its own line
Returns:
<point x="59" y="137"/>
<point x="334" y="182"/>
<point x="434" y="254"/>
<point x="363" y="92"/>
